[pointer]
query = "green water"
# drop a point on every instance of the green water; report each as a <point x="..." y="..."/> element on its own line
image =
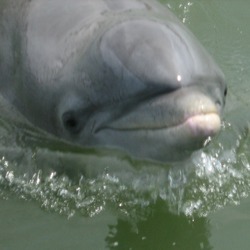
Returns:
<point x="47" y="203"/>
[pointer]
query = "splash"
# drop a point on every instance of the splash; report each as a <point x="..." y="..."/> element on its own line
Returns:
<point x="181" y="8"/>
<point x="212" y="178"/>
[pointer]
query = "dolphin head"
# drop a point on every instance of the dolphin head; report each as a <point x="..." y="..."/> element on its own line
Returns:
<point x="148" y="88"/>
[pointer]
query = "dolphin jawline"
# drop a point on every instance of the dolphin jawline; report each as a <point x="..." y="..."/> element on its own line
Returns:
<point x="200" y="119"/>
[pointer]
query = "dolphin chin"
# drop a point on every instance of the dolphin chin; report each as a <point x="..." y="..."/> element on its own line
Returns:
<point x="126" y="75"/>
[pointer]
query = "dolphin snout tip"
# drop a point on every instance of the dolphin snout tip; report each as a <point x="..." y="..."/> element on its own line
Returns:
<point x="204" y="125"/>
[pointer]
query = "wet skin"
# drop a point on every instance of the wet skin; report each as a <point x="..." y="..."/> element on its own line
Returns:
<point x="120" y="74"/>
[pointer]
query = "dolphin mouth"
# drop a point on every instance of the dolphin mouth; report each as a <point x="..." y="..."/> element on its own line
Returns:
<point x="192" y="113"/>
<point x="198" y="127"/>
<point x="207" y="124"/>
<point x="166" y="127"/>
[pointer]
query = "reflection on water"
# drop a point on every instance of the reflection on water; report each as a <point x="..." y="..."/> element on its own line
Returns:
<point x="178" y="232"/>
<point x="32" y="229"/>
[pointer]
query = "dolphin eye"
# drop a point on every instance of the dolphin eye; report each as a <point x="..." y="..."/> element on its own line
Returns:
<point x="225" y="92"/>
<point x="71" y="122"/>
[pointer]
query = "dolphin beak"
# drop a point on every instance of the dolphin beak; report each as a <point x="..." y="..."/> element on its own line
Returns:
<point x="190" y="110"/>
<point x="203" y="125"/>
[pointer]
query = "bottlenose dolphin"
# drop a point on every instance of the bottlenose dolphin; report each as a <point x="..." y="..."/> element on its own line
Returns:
<point x="123" y="74"/>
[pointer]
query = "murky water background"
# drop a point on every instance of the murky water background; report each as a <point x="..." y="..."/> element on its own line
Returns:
<point x="57" y="196"/>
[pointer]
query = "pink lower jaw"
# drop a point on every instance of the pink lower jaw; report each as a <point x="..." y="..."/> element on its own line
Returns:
<point x="203" y="125"/>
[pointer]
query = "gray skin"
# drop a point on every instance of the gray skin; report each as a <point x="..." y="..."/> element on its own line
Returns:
<point x="120" y="74"/>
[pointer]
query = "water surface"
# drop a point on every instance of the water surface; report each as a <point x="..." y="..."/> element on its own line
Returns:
<point x="56" y="196"/>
